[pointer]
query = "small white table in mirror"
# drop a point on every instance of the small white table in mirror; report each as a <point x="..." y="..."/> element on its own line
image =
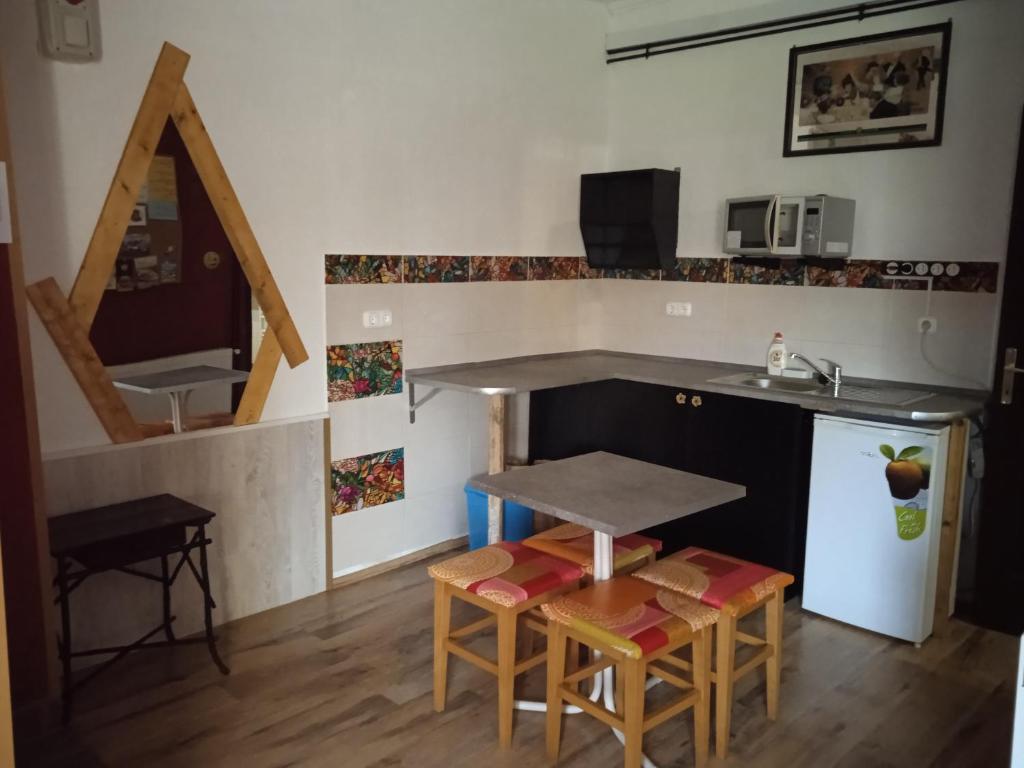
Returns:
<point x="178" y="384"/>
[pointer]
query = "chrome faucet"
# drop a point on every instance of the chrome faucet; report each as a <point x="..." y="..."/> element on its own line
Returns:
<point x="833" y="375"/>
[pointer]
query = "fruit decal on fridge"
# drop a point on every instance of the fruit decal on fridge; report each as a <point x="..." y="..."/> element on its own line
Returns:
<point x="908" y="474"/>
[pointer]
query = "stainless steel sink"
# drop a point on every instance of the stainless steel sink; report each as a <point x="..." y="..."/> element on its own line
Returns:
<point x="804" y="386"/>
<point x="812" y="388"/>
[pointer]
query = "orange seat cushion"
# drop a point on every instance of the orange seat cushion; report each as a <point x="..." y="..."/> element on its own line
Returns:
<point x="506" y="573"/>
<point x="723" y="582"/>
<point x="574" y="542"/>
<point x="632" y="616"/>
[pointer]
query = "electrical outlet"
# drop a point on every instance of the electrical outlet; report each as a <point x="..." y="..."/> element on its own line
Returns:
<point x="377" y="318"/>
<point x="927" y="325"/>
<point x="679" y="309"/>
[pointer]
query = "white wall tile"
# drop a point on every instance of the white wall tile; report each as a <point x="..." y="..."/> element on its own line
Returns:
<point x="345" y="305"/>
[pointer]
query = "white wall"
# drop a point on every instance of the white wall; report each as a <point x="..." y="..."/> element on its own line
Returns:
<point x="463" y="131"/>
<point x="456" y="126"/>
<point x="460" y="127"/>
<point x="718" y="112"/>
<point x="438" y="325"/>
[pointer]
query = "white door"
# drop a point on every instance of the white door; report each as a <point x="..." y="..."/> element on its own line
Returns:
<point x="873" y="523"/>
<point x="1017" y="758"/>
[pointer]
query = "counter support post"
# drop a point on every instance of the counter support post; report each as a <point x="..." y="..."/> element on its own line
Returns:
<point x="495" y="464"/>
<point x="952" y="504"/>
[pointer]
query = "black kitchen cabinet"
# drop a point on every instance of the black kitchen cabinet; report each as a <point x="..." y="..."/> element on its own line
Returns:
<point x="762" y="445"/>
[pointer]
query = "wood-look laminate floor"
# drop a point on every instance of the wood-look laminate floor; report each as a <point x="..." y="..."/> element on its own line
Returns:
<point x="344" y="679"/>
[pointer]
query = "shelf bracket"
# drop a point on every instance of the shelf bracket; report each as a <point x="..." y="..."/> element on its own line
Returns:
<point x="413" y="405"/>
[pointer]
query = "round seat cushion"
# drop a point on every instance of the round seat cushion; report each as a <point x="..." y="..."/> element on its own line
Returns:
<point x="506" y="573"/>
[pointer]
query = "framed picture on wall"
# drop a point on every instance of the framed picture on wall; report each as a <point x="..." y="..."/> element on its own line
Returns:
<point x="882" y="91"/>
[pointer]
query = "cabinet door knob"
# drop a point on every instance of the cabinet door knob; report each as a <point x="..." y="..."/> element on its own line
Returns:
<point x="681" y="398"/>
<point x="696" y="401"/>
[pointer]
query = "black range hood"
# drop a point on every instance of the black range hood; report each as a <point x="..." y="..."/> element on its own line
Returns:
<point x="630" y="219"/>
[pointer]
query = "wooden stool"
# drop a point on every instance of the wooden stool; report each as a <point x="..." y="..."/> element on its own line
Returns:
<point x="575" y="543"/>
<point x="636" y="627"/>
<point x="509" y="581"/>
<point x="736" y="588"/>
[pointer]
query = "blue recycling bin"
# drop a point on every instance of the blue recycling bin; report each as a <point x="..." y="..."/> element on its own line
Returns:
<point x="518" y="520"/>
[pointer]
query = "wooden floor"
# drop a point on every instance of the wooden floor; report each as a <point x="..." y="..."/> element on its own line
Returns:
<point x="344" y="679"/>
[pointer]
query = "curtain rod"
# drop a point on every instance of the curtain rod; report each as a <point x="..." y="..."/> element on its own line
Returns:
<point x="764" y="28"/>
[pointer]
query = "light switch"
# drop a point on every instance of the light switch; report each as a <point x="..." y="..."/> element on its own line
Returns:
<point x="69" y="29"/>
<point x="76" y="31"/>
<point x="679" y="309"/>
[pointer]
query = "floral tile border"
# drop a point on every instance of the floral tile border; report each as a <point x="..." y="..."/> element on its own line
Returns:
<point x="498" y="268"/>
<point x="363" y="370"/>
<point x="435" y="269"/>
<point x="367" y="481"/>
<point x="786" y="273"/>
<point x="633" y="274"/>
<point x="973" y="277"/>
<point x="343" y="268"/>
<point x="555" y="267"/>
<point x="699" y="271"/>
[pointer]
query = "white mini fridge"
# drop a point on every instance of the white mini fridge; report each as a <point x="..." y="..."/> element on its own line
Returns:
<point x="874" y="522"/>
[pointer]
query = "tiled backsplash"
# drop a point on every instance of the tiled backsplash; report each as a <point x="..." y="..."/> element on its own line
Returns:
<point x="363" y="370"/>
<point x="367" y="481"/>
<point x="968" y="277"/>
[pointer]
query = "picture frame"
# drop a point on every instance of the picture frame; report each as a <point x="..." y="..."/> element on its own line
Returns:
<point x="883" y="91"/>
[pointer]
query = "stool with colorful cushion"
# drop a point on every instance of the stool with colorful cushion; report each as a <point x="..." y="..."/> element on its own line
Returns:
<point x="509" y="582"/>
<point x="737" y="588"/>
<point x="574" y="542"/>
<point x="637" y="627"/>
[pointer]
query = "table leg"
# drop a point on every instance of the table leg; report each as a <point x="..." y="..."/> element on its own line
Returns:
<point x="168" y="632"/>
<point x="204" y="570"/>
<point x="604" y="566"/>
<point x="65" y="637"/>
<point x="495" y="464"/>
<point x="177" y="421"/>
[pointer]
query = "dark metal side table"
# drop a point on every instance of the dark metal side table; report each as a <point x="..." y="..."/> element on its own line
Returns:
<point x="116" y="538"/>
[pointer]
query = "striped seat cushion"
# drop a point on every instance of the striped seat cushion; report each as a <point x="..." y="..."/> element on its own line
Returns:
<point x="723" y="582"/>
<point x="506" y="573"/>
<point x="632" y="616"/>
<point x="574" y="542"/>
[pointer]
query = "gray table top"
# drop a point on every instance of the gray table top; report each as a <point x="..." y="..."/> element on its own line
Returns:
<point x="609" y="493"/>
<point x="180" y="379"/>
<point x="537" y="372"/>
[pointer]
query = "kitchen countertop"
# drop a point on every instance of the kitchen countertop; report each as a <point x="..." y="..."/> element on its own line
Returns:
<point x="527" y="374"/>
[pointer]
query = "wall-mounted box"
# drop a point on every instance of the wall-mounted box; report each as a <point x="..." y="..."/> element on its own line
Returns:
<point x="69" y="30"/>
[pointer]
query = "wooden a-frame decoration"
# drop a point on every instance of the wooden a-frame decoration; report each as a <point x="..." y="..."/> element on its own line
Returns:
<point x="69" y="319"/>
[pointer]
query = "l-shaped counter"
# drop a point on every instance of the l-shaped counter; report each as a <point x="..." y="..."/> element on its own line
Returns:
<point x="499" y="379"/>
<point x="528" y="374"/>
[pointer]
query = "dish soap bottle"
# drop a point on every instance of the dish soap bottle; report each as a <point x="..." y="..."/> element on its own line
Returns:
<point x="776" y="355"/>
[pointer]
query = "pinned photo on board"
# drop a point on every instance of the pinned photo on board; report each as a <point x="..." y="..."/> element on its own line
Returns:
<point x="138" y="217"/>
<point x="883" y="91"/>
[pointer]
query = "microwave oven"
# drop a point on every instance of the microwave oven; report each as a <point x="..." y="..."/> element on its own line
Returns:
<point x="789" y="225"/>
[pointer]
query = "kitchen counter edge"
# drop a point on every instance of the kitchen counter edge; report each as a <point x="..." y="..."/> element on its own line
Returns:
<point x="517" y="375"/>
